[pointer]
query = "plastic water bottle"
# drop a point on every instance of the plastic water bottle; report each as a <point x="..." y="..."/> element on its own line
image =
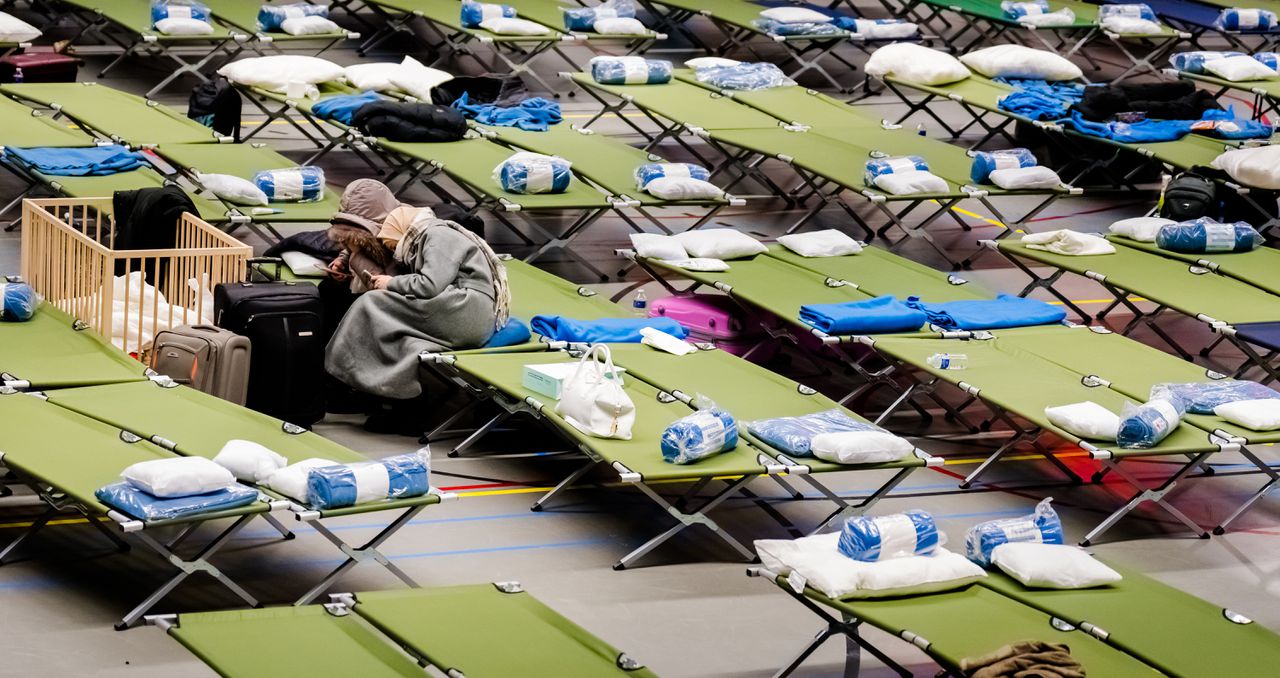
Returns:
<point x="920" y="129"/>
<point x="947" y="361"/>
<point x="18" y="76"/>
<point x="640" y="305"/>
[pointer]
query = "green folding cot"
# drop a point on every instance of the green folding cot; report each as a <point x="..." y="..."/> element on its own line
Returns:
<point x="1260" y="267"/>
<point x="127" y="24"/>
<point x="109" y="113"/>
<point x="327" y="135"/>
<point x="53" y="350"/>
<point x="242" y="15"/>
<point x="477" y="631"/>
<point x="551" y="13"/>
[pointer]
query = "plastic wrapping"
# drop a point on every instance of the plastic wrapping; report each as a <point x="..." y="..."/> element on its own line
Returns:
<point x="808" y="28"/>
<point x="986" y="162"/>
<point x="1247" y="20"/>
<point x="657" y="170"/>
<point x="1040" y="526"/>
<point x="1134" y="11"/>
<point x="293" y="184"/>
<point x="913" y="533"/>
<point x="1017" y="10"/>
<point x="1193" y="62"/>
<point x="794" y="435"/>
<point x="585" y="18"/>
<point x="399" y="477"/>
<point x="744" y="77"/>
<point x="271" y="18"/>
<point x="20" y="302"/>
<point x="1269" y="59"/>
<point x="630" y="70"/>
<point x="179" y="9"/>
<point x="473" y="13"/>
<point x="1143" y="426"/>
<point x="138" y="504"/>
<point x="532" y="173"/>
<point x="705" y="433"/>
<point x="879" y="29"/>
<point x="1206" y="235"/>
<point x="906" y="163"/>
<point x="1203" y="397"/>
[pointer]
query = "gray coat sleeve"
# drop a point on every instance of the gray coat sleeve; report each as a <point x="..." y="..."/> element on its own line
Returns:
<point x="442" y="260"/>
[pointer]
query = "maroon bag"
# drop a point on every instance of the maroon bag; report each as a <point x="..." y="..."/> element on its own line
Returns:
<point x="39" y="67"/>
<point x="716" y="319"/>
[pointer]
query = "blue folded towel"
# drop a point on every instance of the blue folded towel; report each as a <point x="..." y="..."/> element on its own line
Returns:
<point x="514" y="332"/>
<point x="475" y="12"/>
<point x="19" y="302"/>
<point x="1193" y="62"/>
<point x="794" y="435"/>
<point x="534" y="114"/>
<point x="1006" y="310"/>
<point x="340" y="485"/>
<point x="142" y="505"/>
<point x="882" y="315"/>
<point x="1247" y="20"/>
<point x="1041" y="526"/>
<point x="912" y="533"/>
<point x="342" y="107"/>
<point x="1205" y="235"/>
<point x="271" y="17"/>
<point x="79" y="162"/>
<point x="986" y="162"/>
<point x="603" y="330"/>
<point x="630" y="71"/>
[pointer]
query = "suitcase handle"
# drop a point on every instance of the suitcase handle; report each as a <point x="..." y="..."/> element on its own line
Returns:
<point x="206" y="328"/>
<point x="249" y="264"/>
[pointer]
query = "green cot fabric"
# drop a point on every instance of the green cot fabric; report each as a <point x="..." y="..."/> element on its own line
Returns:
<point x="688" y="104"/>
<point x="551" y="13"/>
<point x="114" y="114"/>
<point x="485" y="633"/>
<point x="447" y="13"/>
<point x="246" y="160"/>
<point x="135" y="17"/>
<point x="291" y="641"/>
<point x="1260" y="268"/>
<point x="1267" y="88"/>
<point x="794" y="104"/>
<point x="878" y="272"/>
<point x="25" y="128"/>
<point x="1164" y="281"/>
<point x="243" y="14"/>
<point x="1173" y="631"/>
<point x="49" y="353"/>
<point x="537" y="292"/>
<point x="976" y="620"/>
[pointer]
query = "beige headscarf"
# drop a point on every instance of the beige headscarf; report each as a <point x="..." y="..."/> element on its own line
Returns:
<point x="399" y="221"/>
<point x="410" y="239"/>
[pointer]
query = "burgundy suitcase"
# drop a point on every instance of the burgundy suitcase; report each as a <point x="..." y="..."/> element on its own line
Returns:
<point x="716" y="319"/>
<point x="39" y="67"/>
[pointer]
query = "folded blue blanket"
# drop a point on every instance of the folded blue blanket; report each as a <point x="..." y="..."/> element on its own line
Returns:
<point x="882" y="315"/>
<point x="794" y="435"/>
<point x="1202" y="397"/>
<point x="1144" y="426"/>
<point x="18" y="301"/>
<point x="882" y="166"/>
<point x="602" y="331"/>
<point x="1247" y="20"/>
<point x="271" y="17"/>
<point x="1006" y="310"/>
<point x="514" y="332"/>
<point x="534" y="114"/>
<point x="1017" y="10"/>
<point x="188" y="9"/>
<point x="141" y="505"/>
<point x="1204" y="235"/>
<point x="341" y="485"/>
<point x="473" y="13"/>
<point x="1041" y="526"/>
<point x="744" y="77"/>
<point x="585" y="18"/>
<point x="986" y="162"/>
<point x="913" y="533"/>
<point x="79" y="162"/>
<point x="1193" y="62"/>
<point x="808" y="28"/>
<point x="1269" y="59"/>
<point x="630" y="71"/>
<point x="342" y="107"/>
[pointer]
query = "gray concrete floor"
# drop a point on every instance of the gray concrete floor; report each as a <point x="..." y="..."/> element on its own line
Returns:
<point x="689" y="610"/>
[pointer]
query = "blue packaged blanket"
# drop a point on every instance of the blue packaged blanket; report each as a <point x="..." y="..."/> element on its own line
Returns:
<point x="1134" y="11"/>
<point x="1247" y="20"/>
<point x="794" y="435"/>
<point x="475" y="12"/>
<point x="1005" y="311"/>
<point x="271" y="17"/>
<point x="514" y="332"/>
<point x="881" y="315"/>
<point x="174" y="9"/>
<point x="533" y="173"/>
<point x="79" y="162"/>
<point x="1202" y="397"/>
<point x="1042" y="526"/>
<point x="292" y="184"/>
<point x="806" y="28"/>
<point x="534" y="114"/>
<point x="657" y="170"/>
<point x="744" y="77"/>
<point x="585" y="18"/>
<point x="1017" y="10"/>
<point x="1204" y="235"/>
<point x="343" y="107"/>
<point x="603" y="330"/>
<point x="703" y="434"/>
<point x="906" y="163"/>
<point x="1144" y="426"/>
<point x="986" y="162"/>
<point x="19" y="302"/>
<point x="1269" y="59"/>
<point x="139" y="504"/>
<point x="630" y="70"/>
<point x="912" y="533"/>
<point x="1193" y="62"/>
<point x="340" y="485"/>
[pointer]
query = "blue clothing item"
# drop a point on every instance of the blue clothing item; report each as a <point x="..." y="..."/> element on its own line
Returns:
<point x="1247" y="20"/>
<point x="186" y="9"/>
<point x="906" y="163"/>
<point x="340" y="485"/>
<point x="703" y="434"/>
<point x="533" y="173"/>
<point x="882" y="315"/>
<point x="1269" y="59"/>
<point x="585" y="18"/>
<point x="1136" y="132"/>
<point x="1202" y="397"/>
<point x="744" y="77"/>
<point x="343" y="107"/>
<point x="271" y="17"/>
<point x="984" y="162"/>
<point x="794" y="435"/>
<point x="475" y="12"/>
<point x="1193" y="62"/>
<point x="807" y="28"/>
<point x="1042" y="526"/>
<point x="292" y="184"/>
<point x="1221" y="125"/>
<point x="513" y="333"/>
<point x="534" y="114"/>
<point x="630" y="70"/>
<point x="79" y="162"/>
<point x="1005" y="311"/>
<point x="912" y="533"/>
<point x="144" y="506"/>
<point x="602" y="330"/>
<point x="657" y="170"/>
<point x="1040" y="100"/>
<point x="1144" y="426"/>
<point x="1017" y="10"/>
<point x="19" y="302"/>
<point x="1203" y="235"/>
<point x="1134" y="11"/>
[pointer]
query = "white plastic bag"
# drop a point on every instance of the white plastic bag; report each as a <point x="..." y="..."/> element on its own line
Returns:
<point x="593" y="401"/>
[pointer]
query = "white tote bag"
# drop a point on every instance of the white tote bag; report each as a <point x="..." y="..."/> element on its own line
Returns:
<point x="592" y="399"/>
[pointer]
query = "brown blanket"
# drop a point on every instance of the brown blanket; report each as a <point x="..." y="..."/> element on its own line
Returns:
<point x="1025" y="659"/>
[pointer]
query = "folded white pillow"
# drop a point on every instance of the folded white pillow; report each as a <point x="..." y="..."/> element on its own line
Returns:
<point x="177" y="476"/>
<point x="309" y="25"/>
<point x="1239" y="69"/>
<point x="1085" y="420"/>
<point x="710" y="62"/>
<point x="291" y="481"/>
<point x="1255" y="415"/>
<point x="183" y="26"/>
<point x="619" y="26"/>
<point x="249" y="461"/>
<point x="304" y="265"/>
<point x="1069" y="243"/>
<point x="657" y="246"/>
<point x="700" y="264"/>
<point x="1052" y="566"/>
<point x="233" y="189"/>
<point x="1257" y="167"/>
<point x="825" y="243"/>
<point x="1142" y="229"/>
<point x="275" y="72"/>
<point x="819" y="561"/>
<point x="915" y="63"/>
<point x="375" y="76"/>
<point x="1017" y="61"/>
<point x="683" y="188"/>
<point x="911" y="182"/>
<point x="417" y="80"/>
<point x="895" y="31"/>
<point x="860" y="447"/>
<point x="13" y="29"/>
<point x="512" y="26"/>
<point x="1016" y="178"/>
<point x="720" y="243"/>
<point x="795" y="15"/>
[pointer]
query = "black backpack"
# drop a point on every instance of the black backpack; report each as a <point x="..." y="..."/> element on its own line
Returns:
<point x="1189" y="195"/>
<point x="216" y="103"/>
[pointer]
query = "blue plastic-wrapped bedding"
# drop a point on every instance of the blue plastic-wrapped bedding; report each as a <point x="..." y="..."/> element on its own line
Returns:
<point x="533" y="173"/>
<point x="1143" y="426"/>
<point x="293" y="184"/>
<point x="630" y="70"/>
<point x="19" y="302"/>
<point x="699" y="435"/>
<point x="340" y="485"/>
<point x="271" y="17"/>
<point x="1017" y="10"/>
<point x="142" y="505"/>
<point x="1042" y="526"/>
<point x="1203" y="235"/>
<point x="657" y="170"/>
<point x="1202" y="397"/>
<point x="744" y="77"/>
<point x="986" y="162"/>
<point x="585" y="18"/>
<point x="906" y="163"/>
<point x="913" y="533"/>
<point x="794" y="435"/>
<point x="185" y="9"/>
<point x="475" y="12"/>
<point x="1134" y="11"/>
<point x="814" y="28"/>
<point x="1193" y="62"/>
<point x="1269" y="59"/>
<point x="1243" y="19"/>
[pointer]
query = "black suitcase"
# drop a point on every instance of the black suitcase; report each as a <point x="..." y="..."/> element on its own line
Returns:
<point x="38" y="67"/>
<point x="285" y="325"/>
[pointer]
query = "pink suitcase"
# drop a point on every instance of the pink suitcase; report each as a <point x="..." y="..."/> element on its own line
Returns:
<point x="716" y="319"/>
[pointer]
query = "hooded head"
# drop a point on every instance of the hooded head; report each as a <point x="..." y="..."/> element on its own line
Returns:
<point x="366" y="204"/>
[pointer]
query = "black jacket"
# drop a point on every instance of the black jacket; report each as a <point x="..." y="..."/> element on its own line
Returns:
<point x="1179" y="100"/>
<point x="399" y="121"/>
<point x="147" y="218"/>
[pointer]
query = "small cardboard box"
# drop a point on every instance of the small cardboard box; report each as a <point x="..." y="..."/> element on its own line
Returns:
<point x="548" y="378"/>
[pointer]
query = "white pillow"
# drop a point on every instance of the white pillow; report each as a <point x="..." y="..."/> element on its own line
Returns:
<point x="911" y="183"/>
<point x="1142" y="229"/>
<point x="795" y="15"/>
<point x="275" y="72"/>
<point x="309" y="25"/>
<point x="917" y="64"/>
<point x="1086" y="420"/>
<point x="1025" y="178"/>
<point x="510" y="26"/>
<point x="1239" y="68"/>
<point x="619" y="26"/>
<point x="183" y="26"/>
<point x="418" y="80"/>
<point x="291" y="481"/>
<point x="177" y="476"/>
<point x="700" y="264"/>
<point x="1258" y="167"/>
<point x="825" y="243"/>
<point x="1017" y="61"/>
<point x="233" y="189"/>
<point x="683" y="188"/>
<point x="1256" y="415"/>
<point x="304" y="265"/>
<point x="249" y="461"/>
<point x="710" y="62"/>
<point x="657" y="246"/>
<point x="375" y="76"/>
<point x="1052" y="566"/>
<point x="861" y="447"/>
<point x="720" y="243"/>
<point x="13" y="29"/>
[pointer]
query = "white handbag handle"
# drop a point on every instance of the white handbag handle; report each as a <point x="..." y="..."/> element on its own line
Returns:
<point x="593" y="355"/>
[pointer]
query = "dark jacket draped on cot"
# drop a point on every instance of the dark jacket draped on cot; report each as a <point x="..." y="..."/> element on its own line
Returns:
<point x="406" y="122"/>
<point x="147" y="219"/>
<point x="1179" y="100"/>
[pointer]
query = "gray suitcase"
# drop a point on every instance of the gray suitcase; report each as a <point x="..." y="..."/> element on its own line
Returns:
<point x="206" y="358"/>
